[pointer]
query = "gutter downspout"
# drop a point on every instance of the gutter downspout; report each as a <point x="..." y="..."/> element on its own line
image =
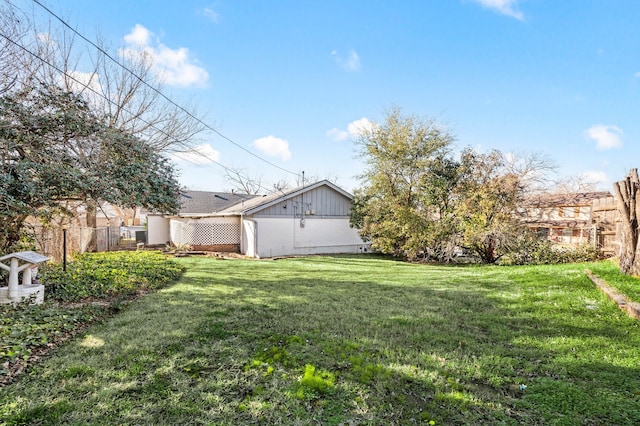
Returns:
<point x="242" y="251"/>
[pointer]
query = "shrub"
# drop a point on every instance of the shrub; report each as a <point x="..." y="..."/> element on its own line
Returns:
<point x="101" y="275"/>
<point x="529" y="249"/>
<point x="24" y="328"/>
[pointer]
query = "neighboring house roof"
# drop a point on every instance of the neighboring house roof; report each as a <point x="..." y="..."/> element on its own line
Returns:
<point x="564" y="200"/>
<point x="257" y="204"/>
<point x="205" y="202"/>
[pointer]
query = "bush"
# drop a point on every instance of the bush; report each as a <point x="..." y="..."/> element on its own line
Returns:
<point x="529" y="249"/>
<point x="99" y="275"/>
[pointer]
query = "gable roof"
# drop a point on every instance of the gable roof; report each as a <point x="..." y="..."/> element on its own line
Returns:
<point x="205" y="202"/>
<point x="564" y="200"/>
<point x="257" y="204"/>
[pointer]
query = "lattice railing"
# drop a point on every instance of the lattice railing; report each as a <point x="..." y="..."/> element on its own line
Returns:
<point x="205" y="234"/>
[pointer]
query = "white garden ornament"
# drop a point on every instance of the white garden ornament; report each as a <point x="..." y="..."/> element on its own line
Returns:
<point x="16" y="292"/>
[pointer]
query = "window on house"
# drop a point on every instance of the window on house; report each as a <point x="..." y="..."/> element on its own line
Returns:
<point x="543" y="232"/>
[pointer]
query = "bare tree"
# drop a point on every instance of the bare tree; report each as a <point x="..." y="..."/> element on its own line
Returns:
<point x="242" y="183"/>
<point x="574" y="184"/>
<point x="14" y="26"/>
<point x="119" y="86"/>
<point x="628" y="202"/>
<point x="281" y="186"/>
<point x="124" y="94"/>
<point x="132" y="98"/>
<point x="534" y="170"/>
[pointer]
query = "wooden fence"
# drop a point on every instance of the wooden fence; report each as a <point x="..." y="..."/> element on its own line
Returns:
<point x="605" y="217"/>
<point x="49" y="240"/>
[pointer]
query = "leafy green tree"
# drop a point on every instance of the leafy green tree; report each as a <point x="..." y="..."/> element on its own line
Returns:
<point x="54" y="148"/>
<point x="487" y="195"/>
<point x="126" y="95"/>
<point x="418" y="201"/>
<point x="405" y="190"/>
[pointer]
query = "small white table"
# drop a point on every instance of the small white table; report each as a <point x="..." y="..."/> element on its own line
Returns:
<point x="14" y="292"/>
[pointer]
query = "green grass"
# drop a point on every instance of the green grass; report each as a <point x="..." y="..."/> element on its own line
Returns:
<point x="625" y="284"/>
<point x="347" y="340"/>
<point x="26" y="331"/>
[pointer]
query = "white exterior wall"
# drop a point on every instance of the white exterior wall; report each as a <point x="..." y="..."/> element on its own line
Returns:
<point x="270" y="237"/>
<point x="157" y="230"/>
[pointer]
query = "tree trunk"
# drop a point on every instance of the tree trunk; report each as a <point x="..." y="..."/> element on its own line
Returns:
<point x="92" y="223"/>
<point x="11" y="232"/>
<point x="628" y="203"/>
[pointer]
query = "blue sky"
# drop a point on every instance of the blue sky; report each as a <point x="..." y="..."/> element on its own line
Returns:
<point x="291" y="80"/>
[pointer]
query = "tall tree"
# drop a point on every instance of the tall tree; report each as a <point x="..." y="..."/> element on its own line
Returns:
<point x="118" y="85"/>
<point x="417" y="200"/>
<point x="126" y="95"/>
<point x="487" y="194"/>
<point x="402" y="155"/>
<point x="53" y="148"/>
<point x="12" y="29"/>
<point x="627" y="193"/>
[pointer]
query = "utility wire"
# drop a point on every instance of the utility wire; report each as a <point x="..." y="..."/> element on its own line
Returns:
<point x="186" y="146"/>
<point x="160" y="92"/>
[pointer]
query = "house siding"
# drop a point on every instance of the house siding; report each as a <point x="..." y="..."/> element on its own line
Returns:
<point x="303" y="221"/>
<point x="271" y="236"/>
<point x="321" y="201"/>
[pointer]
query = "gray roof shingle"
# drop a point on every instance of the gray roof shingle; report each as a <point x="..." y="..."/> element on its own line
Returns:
<point x="205" y="202"/>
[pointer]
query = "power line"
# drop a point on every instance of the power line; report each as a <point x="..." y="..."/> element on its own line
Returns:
<point x="185" y="146"/>
<point x="206" y="125"/>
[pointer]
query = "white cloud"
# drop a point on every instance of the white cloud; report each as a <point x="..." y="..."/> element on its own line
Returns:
<point x="139" y="36"/>
<point x="637" y="74"/>
<point x="360" y="127"/>
<point x="350" y="63"/>
<point x="210" y="13"/>
<point x="505" y="7"/>
<point x="354" y="130"/>
<point x="338" y="135"/>
<point x="205" y="154"/>
<point x="174" y="66"/>
<point x="273" y="147"/>
<point x="605" y="136"/>
<point x="46" y="39"/>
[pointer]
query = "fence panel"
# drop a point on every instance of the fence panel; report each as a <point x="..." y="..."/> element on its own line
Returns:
<point x="49" y="240"/>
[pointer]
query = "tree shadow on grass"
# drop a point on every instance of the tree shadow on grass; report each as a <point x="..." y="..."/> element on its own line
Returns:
<point x="232" y="343"/>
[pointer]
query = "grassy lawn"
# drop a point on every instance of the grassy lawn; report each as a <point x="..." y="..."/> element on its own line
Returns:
<point x="347" y="340"/>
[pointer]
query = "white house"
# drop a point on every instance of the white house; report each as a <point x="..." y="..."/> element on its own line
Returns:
<point x="313" y="219"/>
